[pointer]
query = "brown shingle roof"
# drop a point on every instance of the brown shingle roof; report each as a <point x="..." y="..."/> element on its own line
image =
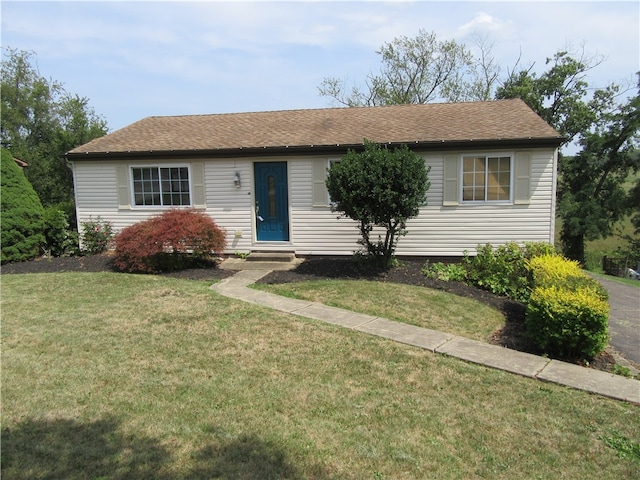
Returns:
<point x="436" y="123"/>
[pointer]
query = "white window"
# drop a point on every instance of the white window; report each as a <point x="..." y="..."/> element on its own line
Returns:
<point x="486" y="178"/>
<point x="161" y="186"/>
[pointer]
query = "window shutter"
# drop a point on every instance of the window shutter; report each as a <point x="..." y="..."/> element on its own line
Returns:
<point x="122" y="178"/>
<point x="197" y="185"/>
<point x="522" y="179"/>
<point x="320" y="195"/>
<point x="451" y="190"/>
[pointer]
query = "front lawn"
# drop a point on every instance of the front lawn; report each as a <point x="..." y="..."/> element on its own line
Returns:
<point x="123" y="376"/>
<point x="419" y="306"/>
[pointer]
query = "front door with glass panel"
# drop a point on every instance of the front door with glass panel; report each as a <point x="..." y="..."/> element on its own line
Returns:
<point x="272" y="202"/>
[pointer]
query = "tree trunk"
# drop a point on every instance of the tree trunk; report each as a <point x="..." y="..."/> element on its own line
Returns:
<point x="573" y="246"/>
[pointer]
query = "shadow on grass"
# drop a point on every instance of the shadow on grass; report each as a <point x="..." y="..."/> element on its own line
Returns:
<point x="247" y="457"/>
<point x="67" y="449"/>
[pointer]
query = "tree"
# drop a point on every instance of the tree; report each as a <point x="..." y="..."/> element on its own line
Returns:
<point x="22" y="227"/>
<point x="590" y="194"/>
<point x="478" y="82"/>
<point x="40" y="122"/>
<point x="414" y="70"/>
<point x="379" y="187"/>
<point x="559" y="95"/>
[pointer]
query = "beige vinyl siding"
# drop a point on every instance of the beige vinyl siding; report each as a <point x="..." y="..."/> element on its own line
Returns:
<point x="231" y="207"/>
<point x="446" y="227"/>
<point x="442" y="228"/>
<point x="99" y="193"/>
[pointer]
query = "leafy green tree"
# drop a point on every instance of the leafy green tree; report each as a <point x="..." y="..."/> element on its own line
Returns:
<point x="22" y="222"/>
<point x="482" y="74"/>
<point x="560" y="95"/>
<point x="40" y="122"/>
<point x="420" y="70"/>
<point x="379" y="187"/>
<point x="634" y="202"/>
<point x="590" y="194"/>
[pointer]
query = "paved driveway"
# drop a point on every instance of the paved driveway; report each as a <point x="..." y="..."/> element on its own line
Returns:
<point x="624" y="318"/>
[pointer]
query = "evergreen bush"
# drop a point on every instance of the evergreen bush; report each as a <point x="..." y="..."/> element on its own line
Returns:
<point x="381" y="189"/>
<point x="22" y="221"/>
<point x="174" y="240"/>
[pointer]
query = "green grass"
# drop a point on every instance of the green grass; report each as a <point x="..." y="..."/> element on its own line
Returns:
<point x="621" y="280"/>
<point x="413" y="305"/>
<point x="136" y="377"/>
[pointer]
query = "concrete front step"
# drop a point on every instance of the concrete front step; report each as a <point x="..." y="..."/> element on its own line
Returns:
<point x="271" y="257"/>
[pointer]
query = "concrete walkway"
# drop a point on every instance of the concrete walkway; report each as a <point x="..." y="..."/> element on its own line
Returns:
<point x="525" y="364"/>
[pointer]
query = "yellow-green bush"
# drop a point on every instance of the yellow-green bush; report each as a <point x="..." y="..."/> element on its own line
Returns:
<point x="567" y="313"/>
<point x="550" y="269"/>
<point x="547" y="270"/>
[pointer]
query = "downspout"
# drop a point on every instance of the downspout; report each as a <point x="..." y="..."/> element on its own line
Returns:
<point x="554" y="186"/>
<point x="72" y="166"/>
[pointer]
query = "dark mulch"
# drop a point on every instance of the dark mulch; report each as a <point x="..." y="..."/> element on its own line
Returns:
<point x="102" y="263"/>
<point x="512" y="335"/>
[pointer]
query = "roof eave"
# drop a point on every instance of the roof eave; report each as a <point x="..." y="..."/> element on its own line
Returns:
<point x="471" y="144"/>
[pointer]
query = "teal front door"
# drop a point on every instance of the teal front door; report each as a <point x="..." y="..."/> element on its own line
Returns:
<point x="272" y="201"/>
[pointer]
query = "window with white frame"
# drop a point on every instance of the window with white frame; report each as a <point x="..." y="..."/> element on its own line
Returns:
<point x="486" y="178"/>
<point x="161" y="186"/>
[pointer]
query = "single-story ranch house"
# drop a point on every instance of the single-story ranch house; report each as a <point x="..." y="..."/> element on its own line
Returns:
<point x="261" y="176"/>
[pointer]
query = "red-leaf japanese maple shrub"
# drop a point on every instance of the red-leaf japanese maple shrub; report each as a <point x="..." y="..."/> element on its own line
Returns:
<point x="174" y="240"/>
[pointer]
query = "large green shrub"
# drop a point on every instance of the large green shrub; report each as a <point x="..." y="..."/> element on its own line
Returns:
<point x="22" y="223"/>
<point x="503" y="270"/>
<point x="567" y="313"/>
<point x="174" y="240"/>
<point x="379" y="187"/>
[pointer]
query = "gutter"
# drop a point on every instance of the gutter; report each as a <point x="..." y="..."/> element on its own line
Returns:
<point x="434" y="146"/>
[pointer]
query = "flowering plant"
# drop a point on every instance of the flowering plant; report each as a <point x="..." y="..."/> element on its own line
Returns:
<point x="96" y="236"/>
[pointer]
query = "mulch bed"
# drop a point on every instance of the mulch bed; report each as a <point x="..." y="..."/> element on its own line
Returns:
<point x="512" y="335"/>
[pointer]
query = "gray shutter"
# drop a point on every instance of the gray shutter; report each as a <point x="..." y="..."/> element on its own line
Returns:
<point x="451" y="189"/>
<point x="124" y="197"/>
<point x="522" y="179"/>
<point x="320" y="195"/>
<point x="197" y="185"/>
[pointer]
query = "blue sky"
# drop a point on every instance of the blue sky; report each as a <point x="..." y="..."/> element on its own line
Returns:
<point x="134" y="59"/>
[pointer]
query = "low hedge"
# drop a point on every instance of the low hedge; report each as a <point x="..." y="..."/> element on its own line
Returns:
<point x="567" y="312"/>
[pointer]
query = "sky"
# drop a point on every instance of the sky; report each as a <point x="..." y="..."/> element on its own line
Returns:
<point x="134" y="59"/>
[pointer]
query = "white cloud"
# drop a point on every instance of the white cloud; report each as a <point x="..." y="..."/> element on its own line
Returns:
<point x="228" y="56"/>
<point x="482" y="22"/>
